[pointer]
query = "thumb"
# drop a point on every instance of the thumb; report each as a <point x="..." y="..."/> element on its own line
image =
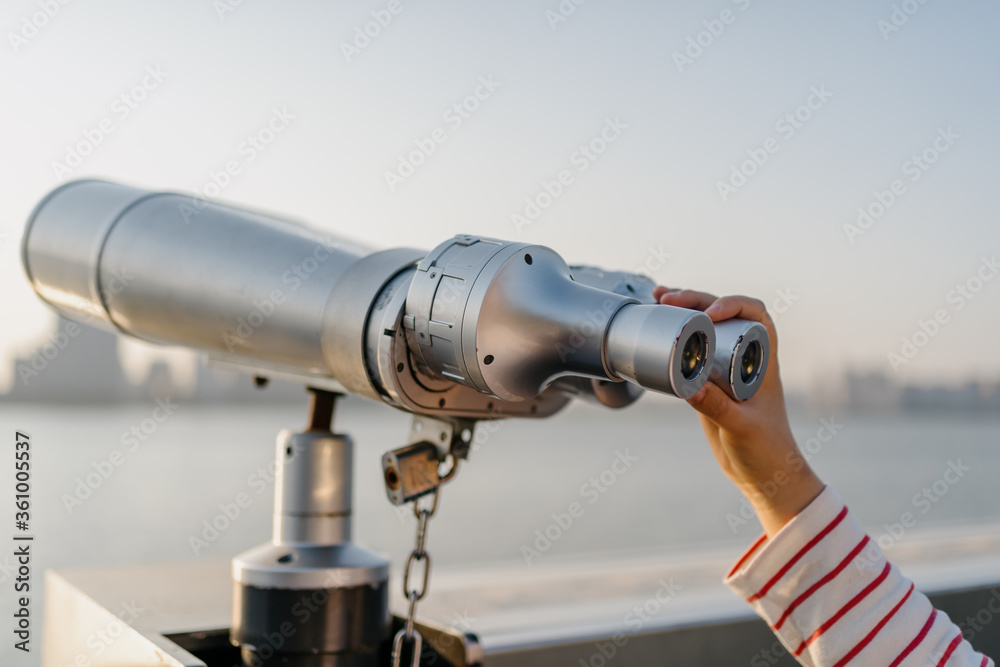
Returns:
<point x="713" y="403"/>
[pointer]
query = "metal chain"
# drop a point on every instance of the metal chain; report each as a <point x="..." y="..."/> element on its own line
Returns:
<point x="419" y="554"/>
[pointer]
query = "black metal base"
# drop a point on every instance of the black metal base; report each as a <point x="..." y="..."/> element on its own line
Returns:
<point x="335" y="627"/>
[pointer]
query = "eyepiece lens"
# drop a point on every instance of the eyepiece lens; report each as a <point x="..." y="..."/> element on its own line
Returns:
<point x="693" y="356"/>
<point x="750" y="363"/>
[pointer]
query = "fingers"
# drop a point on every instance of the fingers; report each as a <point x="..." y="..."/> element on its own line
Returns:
<point x="748" y="309"/>
<point x="738" y="306"/>
<point x="660" y="290"/>
<point x="720" y="309"/>
<point x="714" y="404"/>
<point x="686" y="298"/>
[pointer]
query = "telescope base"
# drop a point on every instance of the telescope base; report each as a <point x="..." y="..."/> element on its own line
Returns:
<point x="178" y="615"/>
<point x="304" y="628"/>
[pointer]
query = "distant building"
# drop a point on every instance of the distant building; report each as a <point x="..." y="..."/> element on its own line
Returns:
<point x="991" y="397"/>
<point x="971" y="397"/>
<point x="871" y="391"/>
<point x="159" y="382"/>
<point x="77" y="363"/>
<point x="874" y="392"/>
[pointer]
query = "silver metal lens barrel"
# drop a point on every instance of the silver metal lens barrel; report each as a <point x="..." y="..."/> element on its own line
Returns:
<point x="509" y="319"/>
<point x="743" y="349"/>
<point x="505" y="318"/>
<point x="176" y="270"/>
<point x="663" y="348"/>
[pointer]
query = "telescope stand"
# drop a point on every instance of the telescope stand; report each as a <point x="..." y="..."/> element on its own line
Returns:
<point x="311" y="597"/>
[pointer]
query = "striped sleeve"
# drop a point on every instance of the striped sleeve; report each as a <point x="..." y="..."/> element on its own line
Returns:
<point x="832" y="598"/>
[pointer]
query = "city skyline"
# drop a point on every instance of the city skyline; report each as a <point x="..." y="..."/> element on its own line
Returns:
<point x="83" y="364"/>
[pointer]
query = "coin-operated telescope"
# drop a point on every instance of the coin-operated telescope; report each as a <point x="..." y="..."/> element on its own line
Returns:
<point x="476" y="329"/>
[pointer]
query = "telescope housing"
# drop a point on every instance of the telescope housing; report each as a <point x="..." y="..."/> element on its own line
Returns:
<point x="476" y="328"/>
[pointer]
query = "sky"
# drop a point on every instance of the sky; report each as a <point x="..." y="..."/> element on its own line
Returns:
<point x="726" y="145"/>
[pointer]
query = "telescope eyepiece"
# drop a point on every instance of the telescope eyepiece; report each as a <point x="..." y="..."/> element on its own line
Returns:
<point x="694" y="355"/>
<point x="750" y="363"/>
<point x="741" y="357"/>
<point x="661" y="347"/>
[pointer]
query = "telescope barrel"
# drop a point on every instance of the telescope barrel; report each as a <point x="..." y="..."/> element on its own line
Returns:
<point x="171" y="269"/>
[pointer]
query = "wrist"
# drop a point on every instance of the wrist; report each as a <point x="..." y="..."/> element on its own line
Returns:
<point x="776" y="505"/>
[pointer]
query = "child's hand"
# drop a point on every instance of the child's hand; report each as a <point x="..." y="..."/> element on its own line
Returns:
<point x="752" y="441"/>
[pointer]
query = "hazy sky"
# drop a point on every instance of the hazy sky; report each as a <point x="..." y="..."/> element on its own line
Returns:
<point x="682" y="116"/>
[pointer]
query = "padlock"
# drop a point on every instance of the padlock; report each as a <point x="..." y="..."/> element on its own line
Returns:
<point x="411" y="472"/>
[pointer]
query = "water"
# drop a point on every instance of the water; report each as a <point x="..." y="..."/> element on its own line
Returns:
<point x="670" y="498"/>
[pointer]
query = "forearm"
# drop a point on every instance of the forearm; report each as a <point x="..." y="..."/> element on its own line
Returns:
<point x="815" y="576"/>
<point x="784" y="493"/>
<point x="828" y="592"/>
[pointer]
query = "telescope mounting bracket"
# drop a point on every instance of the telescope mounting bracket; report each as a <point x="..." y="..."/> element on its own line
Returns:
<point x="413" y="470"/>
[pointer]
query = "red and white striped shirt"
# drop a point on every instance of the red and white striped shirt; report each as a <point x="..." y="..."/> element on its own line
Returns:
<point x="832" y="598"/>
